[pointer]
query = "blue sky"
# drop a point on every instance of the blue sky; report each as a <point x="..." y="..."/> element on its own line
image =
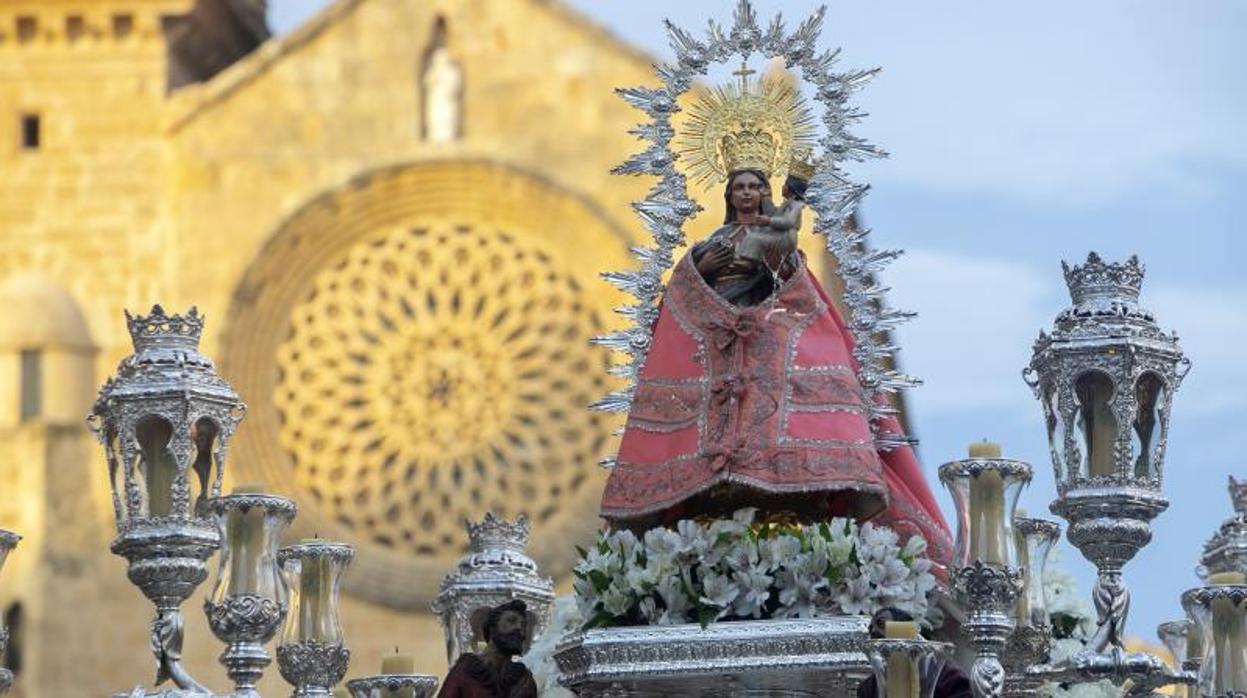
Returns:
<point x="1021" y="135"/>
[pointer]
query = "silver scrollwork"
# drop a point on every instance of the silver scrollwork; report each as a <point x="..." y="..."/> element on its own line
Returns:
<point x="312" y="667"/>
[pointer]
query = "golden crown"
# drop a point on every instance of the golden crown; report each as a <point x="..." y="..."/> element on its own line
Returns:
<point x="750" y="148"/>
<point x="746" y="125"/>
<point x="801" y="166"/>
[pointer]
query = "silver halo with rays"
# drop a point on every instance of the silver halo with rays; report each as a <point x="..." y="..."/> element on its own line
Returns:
<point x="832" y="195"/>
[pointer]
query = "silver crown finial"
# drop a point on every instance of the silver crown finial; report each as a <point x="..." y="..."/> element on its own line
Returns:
<point x="158" y="328"/>
<point x="1238" y="494"/>
<point x="496" y="532"/>
<point x="1097" y="279"/>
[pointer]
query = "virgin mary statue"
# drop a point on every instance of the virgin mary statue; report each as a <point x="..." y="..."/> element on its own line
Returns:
<point x="749" y="394"/>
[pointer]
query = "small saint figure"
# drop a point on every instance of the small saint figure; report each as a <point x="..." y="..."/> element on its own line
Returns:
<point x="494" y="673"/>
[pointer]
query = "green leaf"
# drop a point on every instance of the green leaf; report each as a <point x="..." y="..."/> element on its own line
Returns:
<point x="600" y="581"/>
<point x="600" y="619"/>
<point x="706" y="614"/>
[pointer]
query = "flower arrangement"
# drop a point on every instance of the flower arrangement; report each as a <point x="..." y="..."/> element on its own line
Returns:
<point x="1072" y="626"/>
<point x="736" y="569"/>
<point x="564" y="618"/>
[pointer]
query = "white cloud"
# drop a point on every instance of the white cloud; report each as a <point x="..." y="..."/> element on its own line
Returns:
<point x="1064" y="103"/>
<point x="977" y="320"/>
<point x="1212" y="327"/>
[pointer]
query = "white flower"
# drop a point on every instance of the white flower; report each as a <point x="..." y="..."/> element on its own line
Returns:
<point x="676" y="600"/>
<point x="663" y="544"/>
<point x="564" y="618"/>
<point x="799" y="593"/>
<point x="696" y="546"/>
<point x="586" y="597"/>
<point x="719" y="591"/>
<point x="755" y="590"/>
<point x="623" y="543"/>
<point x="824" y="569"/>
<point x="915" y="546"/>
<point x="639" y="580"/>
<point x="855" y="598"/>
<point x="616" y="601"/>
<point x="1062" y="597"/>
<point x="600" y="560"/>
<point x="742" y="554"/>
<point x="778" y="551"/>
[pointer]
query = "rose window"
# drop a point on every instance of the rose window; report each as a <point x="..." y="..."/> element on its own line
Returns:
<point x="434" y="373"/>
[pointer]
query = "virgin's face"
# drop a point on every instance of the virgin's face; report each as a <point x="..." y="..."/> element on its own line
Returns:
<point x="747" y="192"/>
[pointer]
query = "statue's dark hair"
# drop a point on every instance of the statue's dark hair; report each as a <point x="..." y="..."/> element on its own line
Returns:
<point x="796" y="187"/>
<point x="881" y="618"/>
<point x="495" y="615"/>
<point x="727" y="191"/>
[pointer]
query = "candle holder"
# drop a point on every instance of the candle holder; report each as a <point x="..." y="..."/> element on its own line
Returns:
<point x="8" y="541"/>
<point x="392" y="686"/>
<point x="165" y="421"/>
<point x="1181" y="638"/>
<point x="1220" y="615"/>
<point x="988" y="579"/>
<point x="1105" y="378"/>
<point x="1176" y="636"/>
<point x="249" y="598"/>
<point x="312" y="655"/>
<point x="929" y="659"/>
<point x="1031" y="641"/>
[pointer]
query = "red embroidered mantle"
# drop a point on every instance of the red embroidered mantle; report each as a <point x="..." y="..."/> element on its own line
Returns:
<point x="764" y="397"/>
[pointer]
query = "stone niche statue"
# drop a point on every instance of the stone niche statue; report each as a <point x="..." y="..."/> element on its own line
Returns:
<point x="494" y="673"/>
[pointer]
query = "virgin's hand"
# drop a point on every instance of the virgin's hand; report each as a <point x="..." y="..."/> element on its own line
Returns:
<point x="714" y="260"/>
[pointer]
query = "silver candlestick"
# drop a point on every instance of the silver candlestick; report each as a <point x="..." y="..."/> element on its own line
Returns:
<point x="165" y="422"/>
<point x="1220" y="615"/>
<point x="928" y="660"/>
<point x="312" y="655"/>
<point x="393" y="685"/>
<point x="1032" y="638"/>
<point x="1105" y="377"/>
<point x="249" y="599"/>
<point x="8" y="541"/>
<point x="987" y="580"/>
<point x="1181" y="638"/>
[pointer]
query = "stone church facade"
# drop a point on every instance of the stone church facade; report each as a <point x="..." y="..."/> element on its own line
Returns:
<point x="393" y="217"/>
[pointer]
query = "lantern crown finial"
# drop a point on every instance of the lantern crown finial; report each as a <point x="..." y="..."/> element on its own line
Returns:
<point x="496" y="532"/>
<point x="158" y="328"/>
<point x="1097" y="279"/>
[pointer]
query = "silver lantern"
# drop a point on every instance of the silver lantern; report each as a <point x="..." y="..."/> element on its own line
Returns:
<point x="1106" y="376"/>
<point x="165" y="421"/>
<point x="8" y="541"/>
<point x="496" y="570"/>
<point x="1226" y="551"/>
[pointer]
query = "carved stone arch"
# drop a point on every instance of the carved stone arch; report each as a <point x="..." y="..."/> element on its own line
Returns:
<point x="46" y="352"/>
<point x="413" y="346"/>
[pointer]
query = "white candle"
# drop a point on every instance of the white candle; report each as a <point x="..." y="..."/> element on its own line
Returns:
<point x="399" y="664"/>
<point x="1023" y="608"/>
<point x="987" y="508"/>
<point x="1229" y="635"/>
<point x="902" y="679"/>
<point x="246" y="544"/>
<point x="314" y="604"/>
